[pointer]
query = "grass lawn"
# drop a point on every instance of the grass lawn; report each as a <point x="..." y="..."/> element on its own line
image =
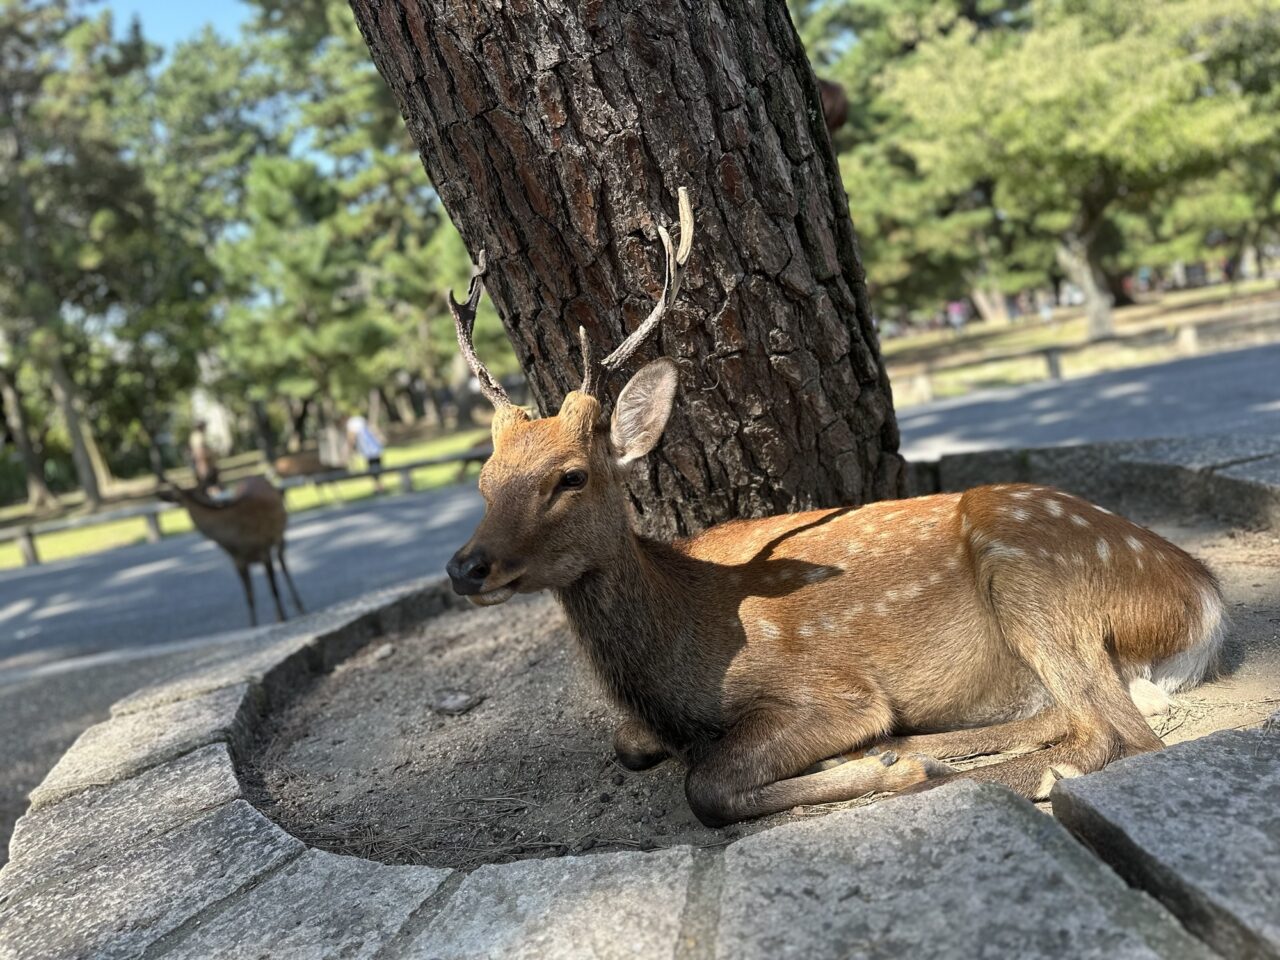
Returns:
<point x="122" y="533"/>
<point x="1069" y="326"/>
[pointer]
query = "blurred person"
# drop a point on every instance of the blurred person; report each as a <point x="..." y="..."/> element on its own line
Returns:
<point x="204" y="461"/>
<point x="362" y="438"/>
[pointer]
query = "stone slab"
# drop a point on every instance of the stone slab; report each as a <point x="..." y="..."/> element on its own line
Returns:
<point x="124" y="746"/>
<point x="600" y="907"/>
<point x="215" y="674"/>
<point x="1198" y="826"/>
<point x="121" y="907"/>
<point x="1203" y="453"/>
<point x="99" y="823"/>
<point x="1265" y="471"/>
<point x="319" y="906"/>
<point x="965" y="870"/>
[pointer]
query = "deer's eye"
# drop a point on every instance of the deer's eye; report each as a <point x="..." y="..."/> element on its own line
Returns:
<point x="573" y="480"/>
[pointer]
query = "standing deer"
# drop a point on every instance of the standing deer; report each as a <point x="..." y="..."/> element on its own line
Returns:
<point x="249" y="525"/>
<point x="820" y="656"/>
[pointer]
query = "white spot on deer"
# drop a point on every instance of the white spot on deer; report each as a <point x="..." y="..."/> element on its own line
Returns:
<point x="953" y="562"/>
<point x="1022" y="494"/>
<point x="1104" y="550"/>
<point x="769" y="630"/>
<point x="1079" y="521"/>
<point x="1053" y="507"/>
<point x="882" y="609"/>
<point x="891" y="594"/>
<point x="806" y="631"/>
<point x="912" y="591"/>
<point x="935" y="577"/>
<point x="853" y="548"/>
<point x="998" y="549"/>
<point x="891" y="515"/>
<point x="1133" y="543"/>
<point x="964" y="523"/>
<point x="1019" y="513"/>
<point x="855" y="609"/>
<point x="1044" y="553"/>
<point x="817" y="575"/>
<point x="1138" y="561"/>
<point x="1103" y="510"/>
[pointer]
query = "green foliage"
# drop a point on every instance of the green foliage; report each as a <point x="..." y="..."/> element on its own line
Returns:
<point x="987" y="137"/>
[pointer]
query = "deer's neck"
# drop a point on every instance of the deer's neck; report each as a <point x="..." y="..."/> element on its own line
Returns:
<point x="639" y="621"/>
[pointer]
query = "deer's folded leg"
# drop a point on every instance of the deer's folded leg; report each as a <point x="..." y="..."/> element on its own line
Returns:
<point x="757" y="767"/>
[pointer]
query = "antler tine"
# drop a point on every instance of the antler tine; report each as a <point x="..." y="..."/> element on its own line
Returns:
<point x="677" y="258"/>
<point x="464" y="321"/>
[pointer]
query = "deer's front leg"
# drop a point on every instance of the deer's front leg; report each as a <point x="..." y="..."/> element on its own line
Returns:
<point x="757" y="767"/>
<point x="636" y="747"/>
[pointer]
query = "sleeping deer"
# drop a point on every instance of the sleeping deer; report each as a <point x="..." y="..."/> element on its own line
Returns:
<point x="249" y="525"/>
<point x="820" y="656"/>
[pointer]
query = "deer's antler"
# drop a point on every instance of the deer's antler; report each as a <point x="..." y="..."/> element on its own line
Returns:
<point x="594" y="373"/>
<point x="464" y="320"/>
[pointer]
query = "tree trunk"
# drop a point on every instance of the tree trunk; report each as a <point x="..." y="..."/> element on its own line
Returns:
<point x="557" y="135"/>
<point x="39" y="495"/>
<point x="1077" y="262"/>
<point x="991" y="303"/>
<point x="64" y="397"/>
<point x="262" y="427"/>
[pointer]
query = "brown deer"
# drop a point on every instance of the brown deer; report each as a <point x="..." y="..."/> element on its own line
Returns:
<point x="824" y="655"/>
<point x="249" y="525"/>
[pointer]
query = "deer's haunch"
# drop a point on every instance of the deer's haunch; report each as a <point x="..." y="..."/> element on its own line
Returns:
<point x="1009" y="618"/>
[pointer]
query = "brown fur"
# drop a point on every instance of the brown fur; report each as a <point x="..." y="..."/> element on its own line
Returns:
<point x="249" y="525"/>
<point x="1008" y="618"/>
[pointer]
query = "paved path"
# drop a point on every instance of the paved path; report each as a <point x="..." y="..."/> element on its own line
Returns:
<point x="1236" y="392"/>
<point x="185" y="587"/>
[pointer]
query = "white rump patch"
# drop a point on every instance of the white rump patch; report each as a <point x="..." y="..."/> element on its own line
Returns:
<point x="1189" y="667"/>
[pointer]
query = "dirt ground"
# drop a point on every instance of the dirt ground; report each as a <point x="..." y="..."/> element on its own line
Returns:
<point x="361" y="763"/>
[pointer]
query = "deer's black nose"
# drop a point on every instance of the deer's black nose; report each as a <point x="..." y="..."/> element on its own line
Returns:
<point x="468" y="570"/>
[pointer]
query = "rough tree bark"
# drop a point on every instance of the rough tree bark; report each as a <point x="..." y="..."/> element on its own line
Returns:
<point x="38" y="493"/>
<point x="557" y="134"/>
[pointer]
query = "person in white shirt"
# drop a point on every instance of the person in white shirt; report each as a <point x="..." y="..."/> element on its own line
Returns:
<point x="364" y="440"/>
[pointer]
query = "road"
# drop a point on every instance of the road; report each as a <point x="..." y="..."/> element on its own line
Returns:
<point x="77" y="635"/>
<point x="1235" y="392"/>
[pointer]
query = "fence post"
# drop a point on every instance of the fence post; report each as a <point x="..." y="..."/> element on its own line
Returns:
<point x="27" y="546"/>
<point x="1188" y="340"/>
<point x="406" y="481"/>
<point x="154" y="534"/>
<point x="922" y="386"/>
<point x="1053" y="363"/>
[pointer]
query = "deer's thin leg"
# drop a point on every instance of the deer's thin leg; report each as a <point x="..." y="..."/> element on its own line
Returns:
<point x="288" y="579"/>
<point x="271" y="582"/>
<point x="1016" y="736"/>
<point x="636" y="747"/>
<point x="752" y="770"/>
<point x="247" y="583"/>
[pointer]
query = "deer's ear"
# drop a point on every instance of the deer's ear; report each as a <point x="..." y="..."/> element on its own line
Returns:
<point x="642" y="410"/>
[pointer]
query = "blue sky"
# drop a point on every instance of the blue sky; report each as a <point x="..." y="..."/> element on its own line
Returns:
<point x="167" y="21"/>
